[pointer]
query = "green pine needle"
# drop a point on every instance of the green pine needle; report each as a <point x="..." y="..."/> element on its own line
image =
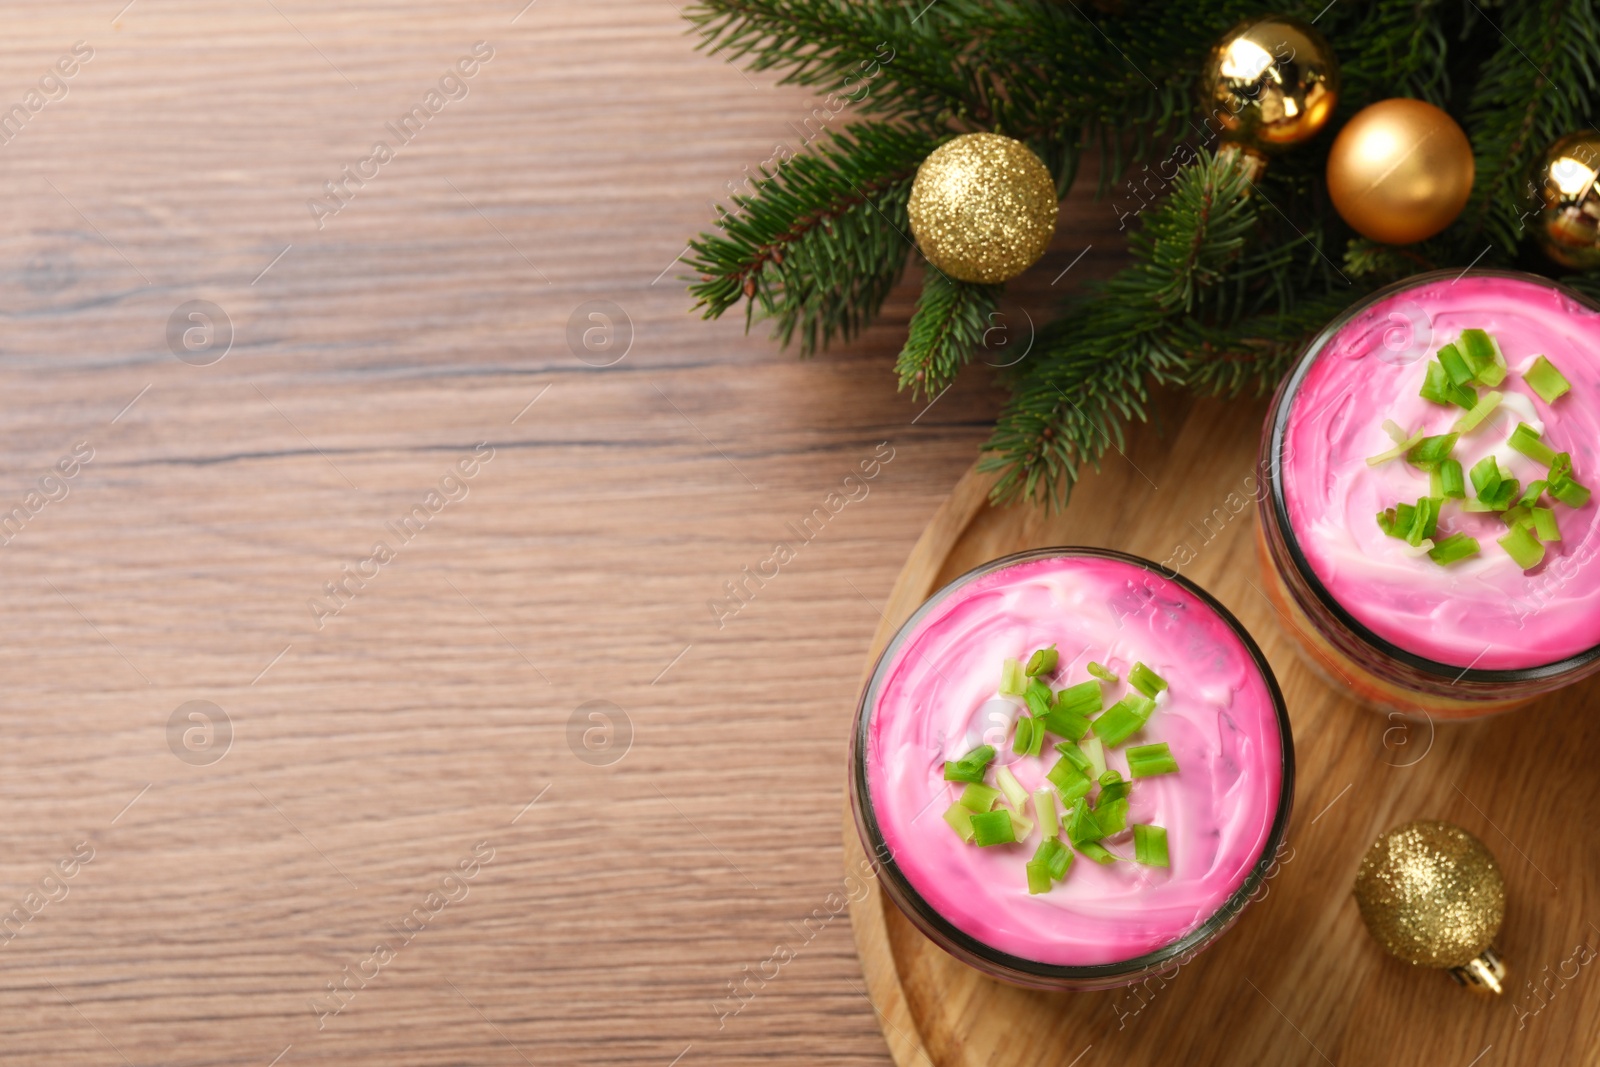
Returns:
<point x="947" y="327"/>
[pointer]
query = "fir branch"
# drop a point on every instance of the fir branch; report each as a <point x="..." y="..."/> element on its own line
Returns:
<point x="819" y="243"/>
<point x="947" y="327"/>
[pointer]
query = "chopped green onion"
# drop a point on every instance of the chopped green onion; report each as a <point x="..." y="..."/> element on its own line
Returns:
<point x="1072" y="782"/>
<point x="1123" y="719"/>
<point x="1563" y="486"/>
<point x="1104" y="673"/>
<point x="1424" y="521"/>
<point x="960" y="820"/>
<point x="1457" y="546"/>
<point x="1111" y="815"/>
<point x="1451" y="481"/>
<point x="1150" y="845"/>
<point x="1544" y="379"/>
<point x="1437" y="387"/>
<point x="1097" y="852"/>
<point x="1396" y="521"/>
<point x="1146" y="680"/>
<point x="1069" y="715"/>
<point x="1522" y="546"/>
<point x="1012" y="788"/>
<point x="1054" y="855"/>
<point x="1081" y="825"/>
<point x="1396" y="452"/>
<point x="1077" y="757"/>
<point x="1026" y="727"/>
<point x="1044" y="805"/>
<point x="1517" y="516"/>
<point x="1525" y="439"/>
<point x="1485" y="475"/>
<point x="1495" y="487"/>
<point x="1544" y="524"/>
<point x="1474" y="504"/>
<point x="979" y="797"/>
<point x="1480" y="411"/>
<point x="1012" y="681"/>
<point x="969" y="768"/>
<point x="1534" y="491"/>
<point x="1038" y="697"/>
<point x="1429" y="452"/>
<point x="1038" y="877"/>
<point x="993" y="827"/>
<point x="1454" y="365"/>
<point x="1483" y="352"/>
<point x="1394" y="430"/>
<point x="1021" y="826"/>
<point x="1096" y="751"/>
<point x="1113" y="786"/>
<point x="1043" y="662"/>
<point x="1147" y="761"/>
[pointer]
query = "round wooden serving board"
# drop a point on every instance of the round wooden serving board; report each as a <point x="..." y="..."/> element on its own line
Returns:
<point x="1297" y="980"/>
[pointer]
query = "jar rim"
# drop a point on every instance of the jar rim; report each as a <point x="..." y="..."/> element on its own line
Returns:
<point x="1277" y="429"/>
<point x="962" y="944"/>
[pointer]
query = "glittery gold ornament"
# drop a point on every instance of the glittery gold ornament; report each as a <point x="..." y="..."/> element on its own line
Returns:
<point x="1269" y="84"/>
<point x="1432" y="895"/>
<point x="1400" y="171"/>
<point x="1568" y="227"/>
<point x="983" y="208"/>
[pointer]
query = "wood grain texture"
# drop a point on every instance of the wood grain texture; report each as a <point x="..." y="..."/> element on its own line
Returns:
<point x="370" y="756"/>
<point x="1297" y="980"/>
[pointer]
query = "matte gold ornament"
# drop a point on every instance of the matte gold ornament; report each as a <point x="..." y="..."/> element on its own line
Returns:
<point x="1400" y="171"/>
<point x="1568" y="227"/>
<point x="983" y="208"/>
<point x="1431" y="894"/>
<point x="1270" y="83"/>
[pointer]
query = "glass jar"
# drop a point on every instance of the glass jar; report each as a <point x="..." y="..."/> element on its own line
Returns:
<point x="1399" y="631"/>
<point x="932" y="695"/>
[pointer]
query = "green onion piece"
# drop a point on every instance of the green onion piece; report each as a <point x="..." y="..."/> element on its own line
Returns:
<point x="1525" y="439"/>
<point x="1104" y="673"/>
<point x="969" y="768"/>
<point x="1123" y="719"/>
<point x="1517" y="516"/>
<point x="1069" y="715"/>
<point x="1021" y="826"/>
<point x="1012" y="680"/>
<point x="993" y="827"/>
<point x="1457" y="546"/>
<point x="1474" y="504"/>
<point x="1081" y="825"/>
<point x="1038" y="697"/>
<point x="1072" y="782"/>
<point x="1481" y="350"/>
<point x="1097" y="852"/>
<point x="1077" y="757"/>
<point x="1503" y="494"/>
<point x="1111" y="816"/>
<point x="1454" y="365"/>
<point x="1563" y="486"/>
<point x="1043" y="661"/>
<point x="1485" y="475"/>
<point x="1534" y="491"/>
<point x="1522" y="546"/>
<point x="1396" y="452"/>
<point x="1424" y="521"/>
<point x="1437" y="387"/>
<point x="1146" y="680"/>
<point x="979" y="797"/>
<point x="1024" y="735"/>
<point x="1150" y="845"/>
<point x="1429" y="452"/>
<point x="1544" y="379"/>
<point x="1044" y="805"/>
<point x="1452" y="482"/>
<point x="1113" y="786"/>
<point x="1056" y="856"/>
<point x="960" y="820"/>
<point x="1038" y="877"/>
<point x="1147" y="761"/>
<point x="1096" y="751"/>
<point x="1012" y="788"/>
<point x="1544" y="524"/>
<point x="1480" y="411"/>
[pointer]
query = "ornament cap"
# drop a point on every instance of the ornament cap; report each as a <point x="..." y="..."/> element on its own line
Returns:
<point x="1484" y="974"/>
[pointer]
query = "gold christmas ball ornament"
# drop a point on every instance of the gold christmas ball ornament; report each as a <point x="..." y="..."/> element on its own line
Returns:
<point x="1269" y="84"/>
<point x="1400" y="171"/>
<point x="983" y="208"/>
<point x="1431" y="894"/>
<point x="1568" y="227"/>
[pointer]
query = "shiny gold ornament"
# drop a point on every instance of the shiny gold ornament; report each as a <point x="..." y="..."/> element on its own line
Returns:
<point x="1269" y="84"/>
<point x="983" y="208"/>
<point x="1400" y="171"/>
<point x="1568" y="227"/>
<point x="1432" y="895"/>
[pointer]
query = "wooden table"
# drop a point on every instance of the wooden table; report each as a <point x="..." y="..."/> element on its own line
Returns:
<point x="228" y="870"/>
